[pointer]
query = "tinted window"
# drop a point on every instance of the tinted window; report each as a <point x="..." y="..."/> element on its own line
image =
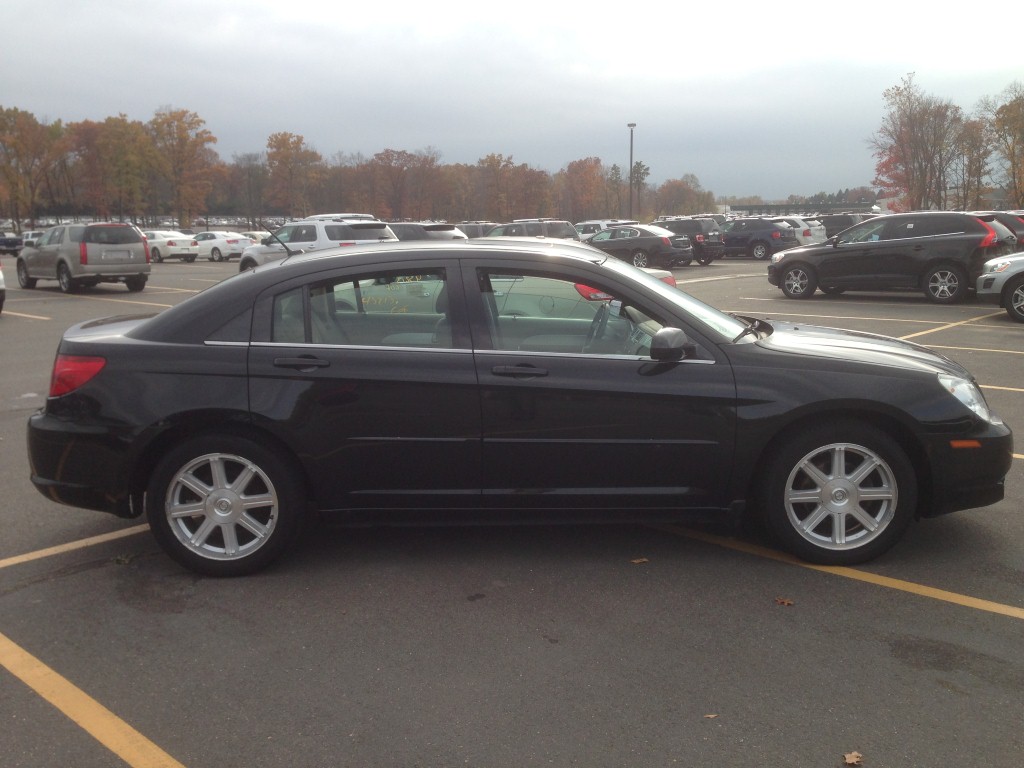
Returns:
<point x="113" y="235"/>
<point x="561" y="229"/>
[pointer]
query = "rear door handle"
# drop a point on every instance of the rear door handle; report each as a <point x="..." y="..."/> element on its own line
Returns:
<point x="301" y="363"/>
<point x="518" y="371"/>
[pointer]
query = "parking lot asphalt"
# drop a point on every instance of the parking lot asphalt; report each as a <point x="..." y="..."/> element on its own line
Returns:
<point x="565" y="646"/>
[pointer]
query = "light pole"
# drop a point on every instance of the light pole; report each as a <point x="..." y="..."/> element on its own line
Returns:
<point x="631" y="126"/>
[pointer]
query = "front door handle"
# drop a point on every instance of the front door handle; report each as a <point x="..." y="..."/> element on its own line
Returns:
<point x="301" y="363"/>
<point x="519" y="371"/>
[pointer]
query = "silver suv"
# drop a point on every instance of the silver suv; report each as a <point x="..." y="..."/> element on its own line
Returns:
<point x="314" y="234"/>
<point x="82" y="255"/>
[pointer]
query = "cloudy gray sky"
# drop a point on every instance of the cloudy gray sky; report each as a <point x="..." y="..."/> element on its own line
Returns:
<point x="752" y="98"/>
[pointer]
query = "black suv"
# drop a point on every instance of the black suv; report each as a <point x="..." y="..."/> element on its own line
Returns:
<point x="938" y="252"/>
<point x="756" y="237"/>
<point x="705" y="236"/>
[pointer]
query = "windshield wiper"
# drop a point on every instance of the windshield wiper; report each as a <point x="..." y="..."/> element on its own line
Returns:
<point x="752" y="326"/>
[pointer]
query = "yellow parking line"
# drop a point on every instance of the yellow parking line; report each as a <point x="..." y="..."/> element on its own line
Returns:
<point x="947" y="326"/>
<point x="71" y="547"/>
<point x="95" y="719"/>
<point x="27" y="316"/>
<point x="852" y="573"/>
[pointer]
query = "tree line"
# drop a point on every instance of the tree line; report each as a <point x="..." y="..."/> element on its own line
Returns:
<point x="167" y="168"/>
<point x="930" y="153"/>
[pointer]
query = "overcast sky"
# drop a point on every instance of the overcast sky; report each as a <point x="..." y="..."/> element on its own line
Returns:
<point x="767" y="99"/>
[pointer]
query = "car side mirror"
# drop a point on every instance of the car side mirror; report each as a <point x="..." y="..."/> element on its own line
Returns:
<point x="672" y="344"/>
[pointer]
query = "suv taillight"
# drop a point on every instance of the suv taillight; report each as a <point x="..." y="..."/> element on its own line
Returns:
<point x="776" y="234"/>
<point x="145" y="248"/>
<point x="72" y="371"/>
<point x="667" y="241"/>
<point x="699" y="238"/>
<point x="990" y="238"/>
<point x="83" y="253"/>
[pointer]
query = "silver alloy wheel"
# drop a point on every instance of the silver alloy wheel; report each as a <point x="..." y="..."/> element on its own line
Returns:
<point x="1015" y="302"/>
<point x="759" y="251"/>
<point x="796" y="281"/>
<point x="841" y="496"/>
<point x="67" y="284"/>
<point x="221" y="506"/>
<point x="943" y="284"/>
<point x="640" y="258"/>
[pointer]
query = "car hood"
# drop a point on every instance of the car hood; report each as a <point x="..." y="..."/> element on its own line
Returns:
<point x="1013" y="258"/>
<point x="833" y="343"/>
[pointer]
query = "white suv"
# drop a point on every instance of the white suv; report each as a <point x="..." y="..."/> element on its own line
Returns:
<point x="316" y="233"/>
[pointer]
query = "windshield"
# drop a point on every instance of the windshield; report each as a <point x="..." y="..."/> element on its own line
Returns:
<point x="726" y="327"/>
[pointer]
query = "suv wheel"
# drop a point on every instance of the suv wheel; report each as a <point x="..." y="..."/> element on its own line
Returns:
<point x="759" y="251"/>
<point x="135" y="283"/>
<point x="945" y="284"/>
<point x="799" y="282"/>
<point x="24" y="281"/>
<point x="67" y="283"/>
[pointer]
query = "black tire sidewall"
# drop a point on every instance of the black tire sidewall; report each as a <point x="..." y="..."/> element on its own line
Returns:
<point x="281" y="474"/>
<point x="771" y="495"/>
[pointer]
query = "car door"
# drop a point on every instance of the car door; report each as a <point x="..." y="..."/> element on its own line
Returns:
<point x="42" y="262"/>
<point x="368" y="375"/>
<point x="858" y="258"/>
<point x="575" y="412"/>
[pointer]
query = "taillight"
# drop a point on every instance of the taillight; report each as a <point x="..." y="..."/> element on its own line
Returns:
<point x="807" y="233"/>
<point x="83" y="253"/>
<point x="591" y="294"/>
<point x="145" y="248"/>
<point x="72" y="371"/>
<point x="667" y="241"/>
<point x="194" y="243"/>
<point x="348" y="243"/>
<point x="171" y="243"/>
<point x="776" y="234"/>
<point x="699" y="238"/>
<point x="670" y="279"/>
<point x="990" y="238"/>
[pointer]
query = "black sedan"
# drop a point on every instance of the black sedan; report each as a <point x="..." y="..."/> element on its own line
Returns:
<point x="645" y="246"/>
<point x="494" y="382"/>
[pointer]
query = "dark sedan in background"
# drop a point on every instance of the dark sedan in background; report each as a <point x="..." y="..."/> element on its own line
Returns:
<point x="645" y="245"/>
<point x="497" y="381"/>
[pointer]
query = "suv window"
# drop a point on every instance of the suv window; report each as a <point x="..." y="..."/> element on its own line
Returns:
<point x="111" y="235"/>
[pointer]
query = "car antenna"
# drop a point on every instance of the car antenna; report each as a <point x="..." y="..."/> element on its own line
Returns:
<point x="273" y="234"/>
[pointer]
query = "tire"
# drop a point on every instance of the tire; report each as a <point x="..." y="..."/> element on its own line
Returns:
<point x="155" y="255"/>
<point x="640" y="258"/>
<point x="759" y="251"/>
<point x="189" y="259"/>
<point x="215" y="255"/>
<point x="945" y="284"/>
<point x="135" y="284"/>
<point x="1014" y="302"/>
<point x="835" y="515"/>
<point x="704" y="259"/>
<point x="831" y="290"/>
<point x="224" y="505"/>
<point x="24" y="281"/>
<point x="67" y="283"/>
<point x="244" y="265"/>
<point x="799" y="282"/>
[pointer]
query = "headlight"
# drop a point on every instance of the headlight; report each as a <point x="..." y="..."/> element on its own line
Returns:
<point x="998" y="266"/>
<point x="967" y="393"/>
<point x="777" y="257"/>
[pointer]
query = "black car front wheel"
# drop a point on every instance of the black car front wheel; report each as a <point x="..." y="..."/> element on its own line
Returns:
<point x="799" y="282"/>
<point x="640" y="258"/>
<point x="224" y="506"/>
<point x="946" y="284"/>
<point x="838" y="493"/>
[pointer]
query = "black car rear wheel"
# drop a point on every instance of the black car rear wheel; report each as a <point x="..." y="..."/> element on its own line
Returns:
<point x="838" y="493"/>
<point x="945" y="284"/>
<point x="224" y="505"/>
<point x="799" y="282"/>
<point x="1015" y="299"/>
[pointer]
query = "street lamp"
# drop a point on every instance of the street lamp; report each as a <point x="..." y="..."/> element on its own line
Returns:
<point x="631" y="126"/>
